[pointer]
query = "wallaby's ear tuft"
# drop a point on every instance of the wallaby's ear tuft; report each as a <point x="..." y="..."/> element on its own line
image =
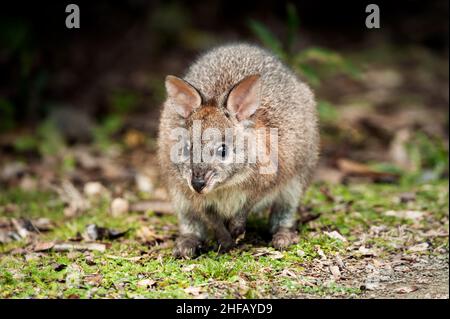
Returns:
<point x="185" y="98"/>
<point x="244" y="98"/>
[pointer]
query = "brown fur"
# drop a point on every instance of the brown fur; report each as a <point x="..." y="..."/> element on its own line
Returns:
<point x="285" y="103"/>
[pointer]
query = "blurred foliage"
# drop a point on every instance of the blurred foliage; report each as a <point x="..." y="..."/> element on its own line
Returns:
<point x="168" y="19"/>
<point x="124" y="101"/>
<point x="48" y="143"/>
<point x="50" y="140"/>
<point x="327" y="112"/>
<point x="103" y="133"/>
<point x="47" y="140"/>
<point x="7" y="120"/>
<point x="267" y="38"/>
<point x="313" y="63"/>
<point x="18" y="47"/>
<point x="429" y="161"/>
<point x="14" y="36"/>
<point x="25" y="143"/>
<point x="429" y="157"/>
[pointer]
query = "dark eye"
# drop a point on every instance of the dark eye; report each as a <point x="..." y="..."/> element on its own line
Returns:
<point x="222" y="151"/>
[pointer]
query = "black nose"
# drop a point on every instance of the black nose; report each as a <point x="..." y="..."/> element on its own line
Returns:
<point x="198" y="184"/>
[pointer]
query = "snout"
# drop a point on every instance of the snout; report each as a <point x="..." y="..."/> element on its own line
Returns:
<point x="198" y="184"/>
<point x="203" y="183"/>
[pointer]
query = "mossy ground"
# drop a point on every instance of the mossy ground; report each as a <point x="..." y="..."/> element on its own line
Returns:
<point x="131" y="268"/>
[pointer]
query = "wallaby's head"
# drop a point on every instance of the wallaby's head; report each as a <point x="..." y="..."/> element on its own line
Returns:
<point x="212" y="132"/>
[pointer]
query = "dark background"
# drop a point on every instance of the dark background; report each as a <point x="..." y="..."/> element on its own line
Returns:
<point x="118" y="37"/>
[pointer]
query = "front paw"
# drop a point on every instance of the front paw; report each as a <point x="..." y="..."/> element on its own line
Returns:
<point x="284" y="238"/>
<point x="186" y="246"/>
<point x="237" y="232"/>
<point x="226" y="245"/>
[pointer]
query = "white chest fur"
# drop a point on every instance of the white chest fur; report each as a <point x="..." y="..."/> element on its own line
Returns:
<point x="227" y="203"/>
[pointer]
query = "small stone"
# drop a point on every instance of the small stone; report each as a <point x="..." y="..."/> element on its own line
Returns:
<point x="119" y="207"/>
<point x="93" y="189"/>
<point x="300" y="253"/>
<point x="144" y="183"/>
<point x="28" y="184"/>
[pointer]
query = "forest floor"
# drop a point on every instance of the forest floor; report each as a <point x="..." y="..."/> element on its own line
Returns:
<point x="357" y="241"/>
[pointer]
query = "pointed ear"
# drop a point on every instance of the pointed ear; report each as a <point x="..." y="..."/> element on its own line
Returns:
<point x="185" y="98"/>
<point x="244" y="98"/>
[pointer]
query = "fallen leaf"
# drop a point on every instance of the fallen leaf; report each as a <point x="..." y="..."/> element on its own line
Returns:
<point x="273" y="254"/>
<point x="74" y="200"/>
<point x="335" y="272"/>
<point x="242" y="286"/>
<point x="340" y="262"/>
<point x="189" y="268"/>
<point x="327" y="193"/>
<point x="194" y="291"/>
<point x="43" y="246"/>
<point x="79" y="247"/>
<point x="147" y="235"/>
<point x="406" y="214"/>
<point x="366" y="251"/>
<point x="405" y="290"/>
<point x="146" y="283"/>
<point x="135" y="258"/>
<point x="435" y="233"/>
<point x="32" y="256"/>
<point x="352" y="168"/>
<point x="93" y="280"/>
<point x="43" y="224"/>
<point x="320" y="252"/>
<point x="335" y="235"/>
<point x="20" y="229"/>
<point x="419" y="247"/>
<point x="288" y="273"/>
<point x="93" y="232"/>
